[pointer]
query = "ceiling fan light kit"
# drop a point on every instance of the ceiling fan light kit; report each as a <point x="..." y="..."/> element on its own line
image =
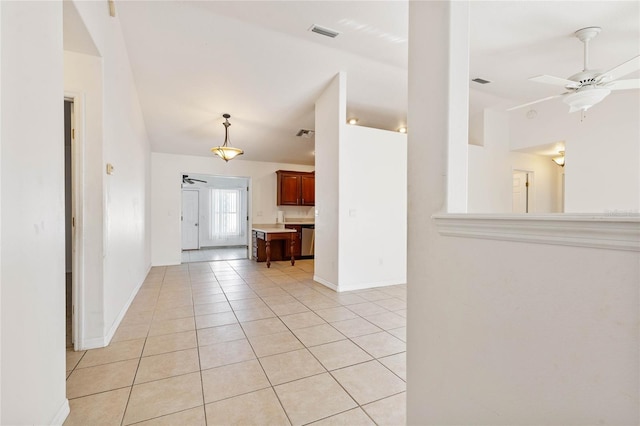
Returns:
<point x="589" y="87"/>
<point x="586" y="98"/>
<point x="225" y="151"/>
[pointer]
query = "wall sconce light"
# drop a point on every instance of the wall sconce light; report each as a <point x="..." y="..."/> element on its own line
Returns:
<point x="560" y="159"/>
<point x="225" y="151"/>
<point x="402" y="129"/>
<point x="352" y="120"/>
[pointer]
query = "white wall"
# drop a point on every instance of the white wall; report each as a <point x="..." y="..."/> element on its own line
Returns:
<point x="330" y="118"/>
<point x="491" y="167"/>
<point x="166" y="180"/>
<point x="126" y="238"/>
<point x="361" y="199"/>
<point x="115" y="213"/>
<point x="602" y="150"/>
<point x="505" y="333"/>
<point x="32" y="217"/>
<point x="373" y="208"/>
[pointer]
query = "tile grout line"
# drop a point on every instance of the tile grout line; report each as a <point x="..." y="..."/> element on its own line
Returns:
<point x="256" y="355"/>
<point x="195" y="325"/>
<point x="297" y="285"/>
<point x="308" y="351"/>
<point x="126" y="406"/>
<point x="261" y="366"/>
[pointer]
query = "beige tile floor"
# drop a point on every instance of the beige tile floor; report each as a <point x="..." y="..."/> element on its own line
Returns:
<point x="232" y="342"/>
<point x="215" y="253"/>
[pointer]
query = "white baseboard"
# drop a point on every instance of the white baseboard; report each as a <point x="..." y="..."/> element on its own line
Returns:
<point x="95" y="343"/>
<point x="325" y="283"/>
<point x="101" y="342"/>
<point x="362" y="286"/>
<point x="123" y="311"/>
<point x="365" y="286"/>
<point x="62" y="414"/>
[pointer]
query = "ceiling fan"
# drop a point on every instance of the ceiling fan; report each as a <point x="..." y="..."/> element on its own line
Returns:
<point x="589" y="87"/>
<point x="191" y="181"/>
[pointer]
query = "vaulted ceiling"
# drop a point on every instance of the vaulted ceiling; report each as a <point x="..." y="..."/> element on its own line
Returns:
<point x="258" y="61"/>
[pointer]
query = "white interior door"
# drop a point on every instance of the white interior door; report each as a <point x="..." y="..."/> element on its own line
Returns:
<point x="190" y="207"/>
<point x="520" y="192"/>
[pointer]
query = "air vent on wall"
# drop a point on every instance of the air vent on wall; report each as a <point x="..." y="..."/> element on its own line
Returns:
<point x="481" y="80"/>
<point x="305" y="133"/>
<point x="324" y="31"/>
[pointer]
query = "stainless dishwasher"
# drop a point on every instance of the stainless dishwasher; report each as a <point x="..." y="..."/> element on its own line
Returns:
<point x="308" y="240"/>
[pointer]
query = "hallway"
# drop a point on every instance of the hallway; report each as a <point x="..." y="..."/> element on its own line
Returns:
<point x="232" y="342"/>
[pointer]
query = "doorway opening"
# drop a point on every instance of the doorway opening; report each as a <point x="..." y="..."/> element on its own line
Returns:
<point x="214" y="219"/>
<point x="69" y="219"/>
<point x="522" y="191"/>
<point x="73" y="110"/>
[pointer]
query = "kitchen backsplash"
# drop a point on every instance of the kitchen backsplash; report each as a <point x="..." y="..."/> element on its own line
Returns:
<point x="289" y="212"/>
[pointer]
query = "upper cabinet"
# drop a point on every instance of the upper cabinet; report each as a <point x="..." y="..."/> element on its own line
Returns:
<point x="296" y="188"/>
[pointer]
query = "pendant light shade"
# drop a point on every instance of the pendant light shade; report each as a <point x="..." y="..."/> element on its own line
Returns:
<point x="225" y="151"/>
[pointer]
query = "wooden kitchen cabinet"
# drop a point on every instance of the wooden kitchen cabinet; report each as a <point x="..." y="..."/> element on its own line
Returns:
<point x="308" y="190"/>
<point x="296" y="188"/>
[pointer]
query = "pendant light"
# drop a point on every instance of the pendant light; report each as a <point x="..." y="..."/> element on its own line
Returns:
<point x="226" y="152"/>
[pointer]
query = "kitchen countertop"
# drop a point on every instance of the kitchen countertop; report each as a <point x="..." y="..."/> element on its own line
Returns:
<point x="272" y="229"/>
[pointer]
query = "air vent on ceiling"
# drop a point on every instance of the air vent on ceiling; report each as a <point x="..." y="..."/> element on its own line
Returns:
<point x="324" y="31"/>
<point x="305" y="133"/>
<point x="481" y="80"/>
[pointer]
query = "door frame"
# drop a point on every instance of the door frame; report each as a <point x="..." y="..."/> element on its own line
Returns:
<point x="249" y="205"/>
<point x="77" y="203"/>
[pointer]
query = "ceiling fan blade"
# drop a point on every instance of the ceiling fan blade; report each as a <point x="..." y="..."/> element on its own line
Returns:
<point x="621" y="70"/>
<point x="556" y="81"/>
<point x="538" y="101"/>
<point x="633" y="83"/>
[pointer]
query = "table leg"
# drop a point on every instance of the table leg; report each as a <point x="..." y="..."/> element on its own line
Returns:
<point x="268" y="250"/>
<point x="293" y="244"/>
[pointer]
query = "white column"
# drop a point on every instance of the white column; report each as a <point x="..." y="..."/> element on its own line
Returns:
<point x="458" y="107"/>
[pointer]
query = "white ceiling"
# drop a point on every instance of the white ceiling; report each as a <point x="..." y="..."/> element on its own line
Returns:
<point x="194" y="61"/>
<point x="513" y="41"/>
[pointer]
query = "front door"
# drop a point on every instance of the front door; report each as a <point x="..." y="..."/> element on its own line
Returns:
<point x="190" y="213"/>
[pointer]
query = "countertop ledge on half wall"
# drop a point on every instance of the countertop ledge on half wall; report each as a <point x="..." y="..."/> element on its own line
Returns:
<point x="613" y="231"/>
